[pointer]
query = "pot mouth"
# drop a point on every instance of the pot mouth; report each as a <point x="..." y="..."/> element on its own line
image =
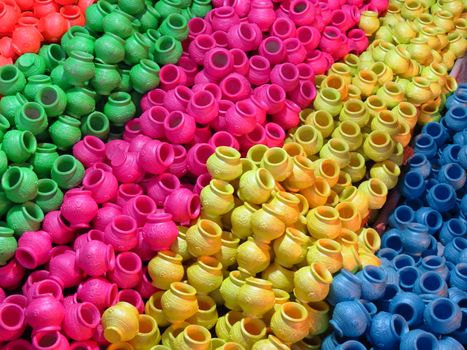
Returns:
<point x="328" y="246"/>
<point x="181" y="288"/>
<point x="294" y="312"/>
<point x="321" y="272"/>
<point x="347" y="211"/>
<point x="253" y="326"/>
<point x="209" y="228"/>
<point x="259" y="283"/>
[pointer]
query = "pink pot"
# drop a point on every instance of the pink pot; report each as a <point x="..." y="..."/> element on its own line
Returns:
<point x="58" y="227"/>
<point x="296" y="52"/>
<point x="304" y="94"/>
<point x="284" y="28"/>
<point x="240" y="60"/>
<point x="138" y="143"/>
<point x="126" y="167"/>
<point x="95" y="258"/>
<point x="203" y="106"/>
<point x="81" y="321"/>
<point x="235" y="87"/>
<point x="171" y="76"/>
<point x="179" y="165"/>
<point x="254" y="137"/>
<point x="139" y="207"/>
<point x="285" y="75"/>
<point x="200" y="46"/>
<point x="2" y="295"/>
<point x="260" y="110"/>
<point x="44" y="312"/>
<point x="218" y="62"/>
<point x="223" y="138"/>
<point x="79" y="208"/>
<point x="102" y="185"/>
<point x="334" y="42"/>
<point x="288" y="117"/>
<point x="156" y="157"/>
<point x="309" y="37"/>
<point x="213" y="88"/>
<point x="132" y="297"/>
<point x="197" y="158"/>
<point x="271" y="97"/>
<point x="145" y="287"/>
<point x="241" y="118"/>
<point x="302" y="12"/>
<point x="305" y="72"/>
<point x="159" y="187"/>
<point x="128" y="270"/>
<point x="275" y="135"/>
<point x="189" y="67"/>
<point x="179" y="127"/>
<point x="273" y="49"/>
<point x="115" y="147"/>
<point x="198" y="26"/>
<point x="342" y="20"/>
<point x="85" y="345"/>
<point x="17" y="299"/>
<point x="50" y="340"/>
<point x="318" y="62"/>
<point x="201" y="182"/>
<point x="132" y="130"/>
<point x="259" y="71"/>
<point x="121" y="233"/>
<point x="218" y="124"/>
<point x="126" y="192"/>
<point x="45" y="287"/>
<point x="89" y="150"/>
<point x="34" y="277"/>
<point x="18" y="344"/>
<point x="177" y="99"/>
<point x="12" y="321"/>
<point x="142" y="249"/>
<point x="380" y="5"/>
<point x="34" y="249"/>
<point x="64" y="270"/>
<point x="262" y="13"/>
<point x="153" y="98"/>
<point x="358" y="41"/>
<point x="98" y="291"/>
<point x="183" y="206"/>
<point x="11" y="274"/>
<point x="152" y="121"/>
<point x="160" y="231"/>
<point x="105" y="215"/>
<point x="325" y="12"/>
<point x="222" y="18"/>
<point x="243" y="36"/>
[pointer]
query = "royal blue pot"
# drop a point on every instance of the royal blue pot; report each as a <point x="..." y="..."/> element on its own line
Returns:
<point x="458" y="296"/>
<point x="458" y="276"/>
<point x="402" y="260"/>
<point x="408" y="276"/>
<point x="420" y="164"/>
<point x="449" y="343"/>
<point x="392" y="240"/>
<point x="370" y="307"/>
<point x="401" y="217"/>
<point x="415" y="239"/>
<point x="453" y="249"/>
<point x="452" y="174"/>
<point x="351" y="345"/>
<point x="413" y="185"/>
<point x="451" y="229"/>
<point x="463" y="206"/>
<point x="459" y="97"/>
<point x="431" y="283"/>
<point x="419" y="340"/>
<point x="410" y="306"/>
<point x="391" y="291"/>
<point x="373" y="280"/>
<point x="463" y="256"/>
<point x="429" y="217"/>
<point x="431" y="182"/>
<point x="414" y="203"/>
<point x="345" y="286"/>
<point x="426" y="145"/>
<point x="462" y="156"/>
<point x="442" y="316"/>
<point x="386" y="330"/>
<point x="461" y="334"/>
<point x="387" y="254"/>
<point x="460" y="138"/>
<point x="441" y="197"/>
<point x="350" y="319"/>
<point x="456" y="117"/>
<point x="392" y="274"/>
<point x="437" y="132"/>
<point x="330" y="342"/>
<point x="435" y="264"/>
<point x="432" y="249"/>
<point x="450" y="154"/>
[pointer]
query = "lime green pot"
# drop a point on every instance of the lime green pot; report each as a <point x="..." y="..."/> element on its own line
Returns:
<point x="8" y="244"/>
<point x="31" y="64"/>
<point x="20" y="184"/>
<point x="19" y="145"/>
<point x="65" y="132"/>
<point x="24" y="217"/>
<point x="67" y="171"/>
<point x="44" y="158"/>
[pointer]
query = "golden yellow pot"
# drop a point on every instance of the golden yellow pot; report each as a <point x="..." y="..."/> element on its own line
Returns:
<point x="350" y="257"/>
<point x="120" y="322"/>
<point x="153" y="308"/>
<point x="398" y="59"/>
<point x="293" y="149"/>
<point x="435" y="72"/>
<point x="317" y="194"/>
<point x="256" y="297"/>
<point x="286" y="205"/>
<point x="338" y="150"/>
<point x="333" y="199"/>
<point x="461" y="26"/>
<point x="228" y="252"/>
<point x="379" y="50"/>
<point x="324" y="222"/>
<point x="376" y="192"/>
<point x="205" y="275"/>
<point x="290" y="249"/>
<point x="356" y="111"/>
<point x="368" y="258"/>
<point x="349" y="132"/>
<point x="312" y="283"/>
<point x="328" y="169"/>
<point x="383" y="73"/>
<point x="357" y="198"/>
<point x="179" y="302"/>
<point x="267" y="223"/>
<point x="327" y="252"/>
<point x="349" y="216"/>
<point x="230" y="286"/>
<point x="412" y="9"/>
<point x="224" y="324"/>
<point x="336" y="82"/>
<point x="420" y="50"/>
<point x="455" y="7"/>
<point x="367" y="81"/>
<point x="424" y="20"/>
<point x="404" y="133"/>
<point x="171" y="332"/>
<point x="309" y="138"/>
<point x="279" y="276"/>
<point x="241" y="220"/>
<point x="343" y="182"/>
<point x="351" y="60"/>
<point x="271" y="343"/>
<point x="343" y="70"/>
<point x="408" y="112"/>
<point x="230" y="346"/>
<point x="378" y="146"/>
<point x="449" y="58"/>
<point x="204" y="238"/>
<point x="386" y="122"/>
<point x="278" y="162"/>
<point x="120" y="346"/>
<point x="330" y="100"/>
<point x="302" y="174"/>
<point x="404" y="32"/>
<point x="290" y="322"/>
<point x="369" y="22"/>
<point x="445" y="20"/>
<point x="148" y="333"/>
<point x="388" y="172"/>
<point x="431" y="35"/>
<point x="357" y="167"/>
<point x="193" y="337"/>
<point x="457" y="44"/>
<point x="247" y="332"/>
<point x="322" y="121"/>
<point x="207" y="312"/>
<point x="391" y="93"/>
<point x="166" y="267"/>
<point x="225" y="164"/>
<point x="418" y="91"/>
<point x="369" y="239"/>
<point x="450" y="86"/>
<point x="253" y="256"/>
<point x="375" y="105"/>
<point x="318" y="316"/>
<point x="393" y="14"/>
<point x="217" y="198"/>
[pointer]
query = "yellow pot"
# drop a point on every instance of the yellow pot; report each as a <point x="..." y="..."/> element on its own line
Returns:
<point x="294" y="149"/>
<point x="393" y="14"/>
<point x="309" y="138"/>
<point x="317" y="194"/>
<point x="413" y="71"/>
<point x="241" y="220"/>
<point x="398" y="154"/>
<point x="450" y="86"/>
<point x="349" y="216"/>
<point x="349" y="132"/>
<point x="420" y="50"/>
<point x="148" y="333"/>
<point x="247" y="332"/>
<point x="356" y="111"/>
<point x="444" y="20"/>
<point x="386" y="122"/>
<point x="327" y="252"/>
<point x="351" y="60"/>
<point x="376" y="192"/>
<point x="204" y="238"/>
<point x="318" y="316"/>
<point x="312" y="283"/>
<point x="256" y="297"/>
<point x="228" y="253"/>
<point x="398" y="59"/>
<point x="349" y="243"/>
<point x="271" y="343"/>
<point x="383" y="73"/>
<point x="369" y="239"/>
<point x="193" y="337"/>
<point x="424" y="20"/>
<point x="279" y="276"/>
<point x="166" y="267"/>
<point x="388" y="172"/>
<point x="338" y="150"/>
<point x="343" y="182"/>
<point x="457" y="44"/>
<point x="354" y="92"/>
<point x="179" y="302"/>
<point x="153" y="308"/>
<point x="404" y="134"/>
<point x="324" y="222"/>
<point x="253" y="256"/>
<point x="205" y="275"/>
<point x="367" y="258"/>
<point x="290" y="249"/>
<point x="120" y="322"/>
<point x="224" y="324"/>
<point x="207" y="312"/>
<point x="290" y="322"/>
<point x="217" y="198"/>
<point x="230" y="286"/>
<point x="391" y="93"/>
<point x="180" y="246"/>
<point x="171" y="332"/>
<point x="375" y="105"/>
<point x="343" y="70"/>
<point x="217" y="343"/>
<point x="225" y="164"/>
<point x="404" y="32"/>
<point x="378" y="146"/>
<point x="449" y="58"/>
<point x="336" y="82"/>
<point x="330" y="100"/>
<point x="278" y="162"/>
<point x="357" y="167"/>
<point x="286" y="205"/>
<point x="385" y="33"/>
<point x="267" y="223"/>
<point x="230" y="346"/>
<point x="256" y="153"/>
<point x="333" y="199"/>
<point x="367" y="81"/>
<point x="160" y="347"/>
<point x="412" y="9"/>
<point x="379" y="50"/>
<point x="120" y="346"/>
<point x="436" y="72"/>
<point x="302" y="174"/>
<point x="461" y="26"/>
<point x="418" y="91"/>
<point x="322" y="121"/>
<point x="431" y="35"/>
<point x="369" y="22"/>
<point x="352" y="195"/>
<point x="328" y="169"/>
<point x="407" y="112"/>
<point x="455" y="7"/>
<point x="310" y="342"/>
<point x="319" y="79"/>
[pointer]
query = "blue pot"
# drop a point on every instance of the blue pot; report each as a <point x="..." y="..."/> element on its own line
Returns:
<point x="453" y="249"/>
<point x="386" y="330"/>
<point x="392" y="240"/>
<point x="449" y="343"/>
<point x="456" y="117"/>
<point x="437" y="132"/>
<point x="392" y="275"/>
<point x="432" y="219"/>
<point x="458" y="276"/>
<point x="373" y="280"/>
<point x="450" y="154"/>
<point x="431" y="283"/>
<point x="414" y="203"/>
<point x="391" y="291"/>
<point x="351" y="345"/>
<point x="431" y="182"/>
<point x="432" y="248"/>
<point x="413" y="185"/>
<point x="458" y="296"/>
<point x="452" y="228"/>
<point x="442" y="316"/>
<point x="410" y="306"/>
<point x="387" y="253"/>
<point x="345" y="286"/>
<point x="463" y="256"/>
<point x="420" y="163"/>
<point x="461" y="334"/>
<point x="419" y="340"/>
<point x="426" y="145"/>
<point x="370" y="307"/>
<point x="402" y="260"/>
<point x="459" y="97"/>
<point x="408" y="276"/>
<point x="462" y="156"/>
<point x="452" y="174"/>
<point x="436" y="264"/>
<point x="350" y="319"/>
<point x="415" y="239"/>
<point x="330" y="342"/>
<point x="441" y="197"/>
<point x="460" y="138"/>
<point x="401" y="217"/>
<point x="463" y="206"/>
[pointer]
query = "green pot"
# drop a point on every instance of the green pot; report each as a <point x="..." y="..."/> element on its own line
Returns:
<point x="110" y="48"/>
<point x="174" y="25"/>
<point x="31" y="116"/>
<point x="44" y="158"/>
<point x="125" y="84"/>
<point x="4" y="126"/>
<point x="119" y="23"/>
<point x="8" y="245"/>
<point x="5" y="203"/>
<point x="79" y="68"/>
<point x="53" y="55"/>
<point x="67" y="171"/>
<point x="81" y="42"/>
<point x="80" y="102"/>
<point x="3" y="163"/>
<point x="132" y="7"/>
<point x="65" y="132"/>
<point x="31" y="64"/>
<point x="12" y="80"/>
<point x="10" y="104"/>
<point x="167" y="7"/>
<point x="34" y="84"/>
<point x="200" y="8"/>
<point x="49" y="196"/>
<point x="70" y="34"/>
<point x="149" y="19"/>
<point x="19" y="145"/>
<point x="106" y="80"/>
<point x="53" y="99"/>
<point x="144" y="76"/>
<point x="96" y="124"/>
<point x="24" y="217"/>
<point x="136" y="48"/>
<point x="95" y="15"/>
<point x="58" y="77"/>
<point x="20" y="184"/>
<point x="119" y="108"/>
<point x="166" y="50"/>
